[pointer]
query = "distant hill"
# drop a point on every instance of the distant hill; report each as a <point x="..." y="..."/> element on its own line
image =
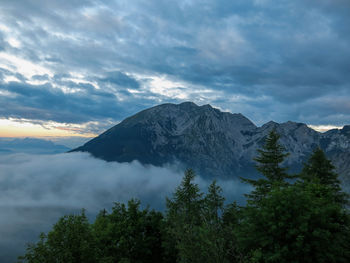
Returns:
<point x="216" y="144"/>
<point x="31" y="146"/>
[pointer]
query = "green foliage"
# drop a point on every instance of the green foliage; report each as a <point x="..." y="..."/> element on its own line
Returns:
<point x="184" y="219"/>
<point x="305" y="221"/>
<point x="301" y="222"/>
<point x="270" y="157"/>
<point x="319" y="169"/>
<point x="213" y="205"/>
<point x="37" y="252"/>
<point x="128" y="234"/>
<point x="70" y="240"/>
<point x="269" y="161"/>
<point x="212" y="231"/>
<point x="195" y="222"/>
<point x="231" y="217"/>
<point x="295" y="224"/>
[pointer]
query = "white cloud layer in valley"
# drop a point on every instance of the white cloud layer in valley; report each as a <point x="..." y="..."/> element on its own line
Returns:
<point x="35" y="190"/>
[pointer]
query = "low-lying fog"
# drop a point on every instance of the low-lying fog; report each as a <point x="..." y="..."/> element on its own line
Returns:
<point x="35" y="190"/>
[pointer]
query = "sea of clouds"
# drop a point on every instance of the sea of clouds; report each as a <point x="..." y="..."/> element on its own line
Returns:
<point x="36" y="190"/>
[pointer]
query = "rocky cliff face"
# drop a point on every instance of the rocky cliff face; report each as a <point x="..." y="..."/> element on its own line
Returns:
<point x="214" y="143"/>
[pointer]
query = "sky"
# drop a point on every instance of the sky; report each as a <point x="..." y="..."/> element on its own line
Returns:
<point x="75" y="68"/>
<point x="71" y="69"/>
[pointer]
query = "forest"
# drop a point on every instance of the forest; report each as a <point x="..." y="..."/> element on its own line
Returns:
<point x="287" y="217"/>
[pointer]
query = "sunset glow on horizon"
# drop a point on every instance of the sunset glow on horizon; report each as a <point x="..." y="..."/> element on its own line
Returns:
<point x="107" y="104"/>
<point x="20" y="128"/>
<point x="13" y="128"/>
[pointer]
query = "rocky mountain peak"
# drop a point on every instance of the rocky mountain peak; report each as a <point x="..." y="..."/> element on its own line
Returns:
<point x="269" y="125"/>
<point x="185" y="105"/>
<point x="215" y="143"/>
<point x="346" y="129"/>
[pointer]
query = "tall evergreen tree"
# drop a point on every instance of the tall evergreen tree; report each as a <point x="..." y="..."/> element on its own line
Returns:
<point x="295" y="223"/>
<point x="300" y="222"/>
<point x="319" y="169"/>
<point x="269" y="161"/>
<point x="231" y="218"/>
<point x="184" y="219"/>
<point x="213" y="204"/>
<point x="212" y="231"/>
<point x="129" y="234"/>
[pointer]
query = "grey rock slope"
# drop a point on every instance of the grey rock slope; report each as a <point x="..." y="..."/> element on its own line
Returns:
<point x="215" y="143"/>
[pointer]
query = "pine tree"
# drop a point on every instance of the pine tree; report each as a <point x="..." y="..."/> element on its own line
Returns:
<point x="295" y="223"/>
<point x="184" y="219"/>
<point x="213" y="204"/>
<point x="231" y="218"/>
<point x="300" y="222"/>
<point x="319" y="169"/>
<point x="129" y="234"/>
<point x="269" y="161"/>
<point x="212" y="232"/>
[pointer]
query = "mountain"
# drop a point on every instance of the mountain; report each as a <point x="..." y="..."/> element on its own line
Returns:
<point x="214" y="143"/>
<point x="30" y="145"/>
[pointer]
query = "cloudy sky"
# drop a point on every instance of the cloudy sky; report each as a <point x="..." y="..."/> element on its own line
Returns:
<point x="77" y="67"/>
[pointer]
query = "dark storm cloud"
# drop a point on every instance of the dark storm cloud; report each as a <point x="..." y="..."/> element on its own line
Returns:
<point x="121" y="79"/>
<point x="287" y="53"/>
<point x="43" y="102"/>
<point x="82" y="103"/>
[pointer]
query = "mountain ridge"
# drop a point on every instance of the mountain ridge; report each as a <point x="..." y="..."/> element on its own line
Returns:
<point x="215" y="143"/>
<point x="30" y="146"/>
